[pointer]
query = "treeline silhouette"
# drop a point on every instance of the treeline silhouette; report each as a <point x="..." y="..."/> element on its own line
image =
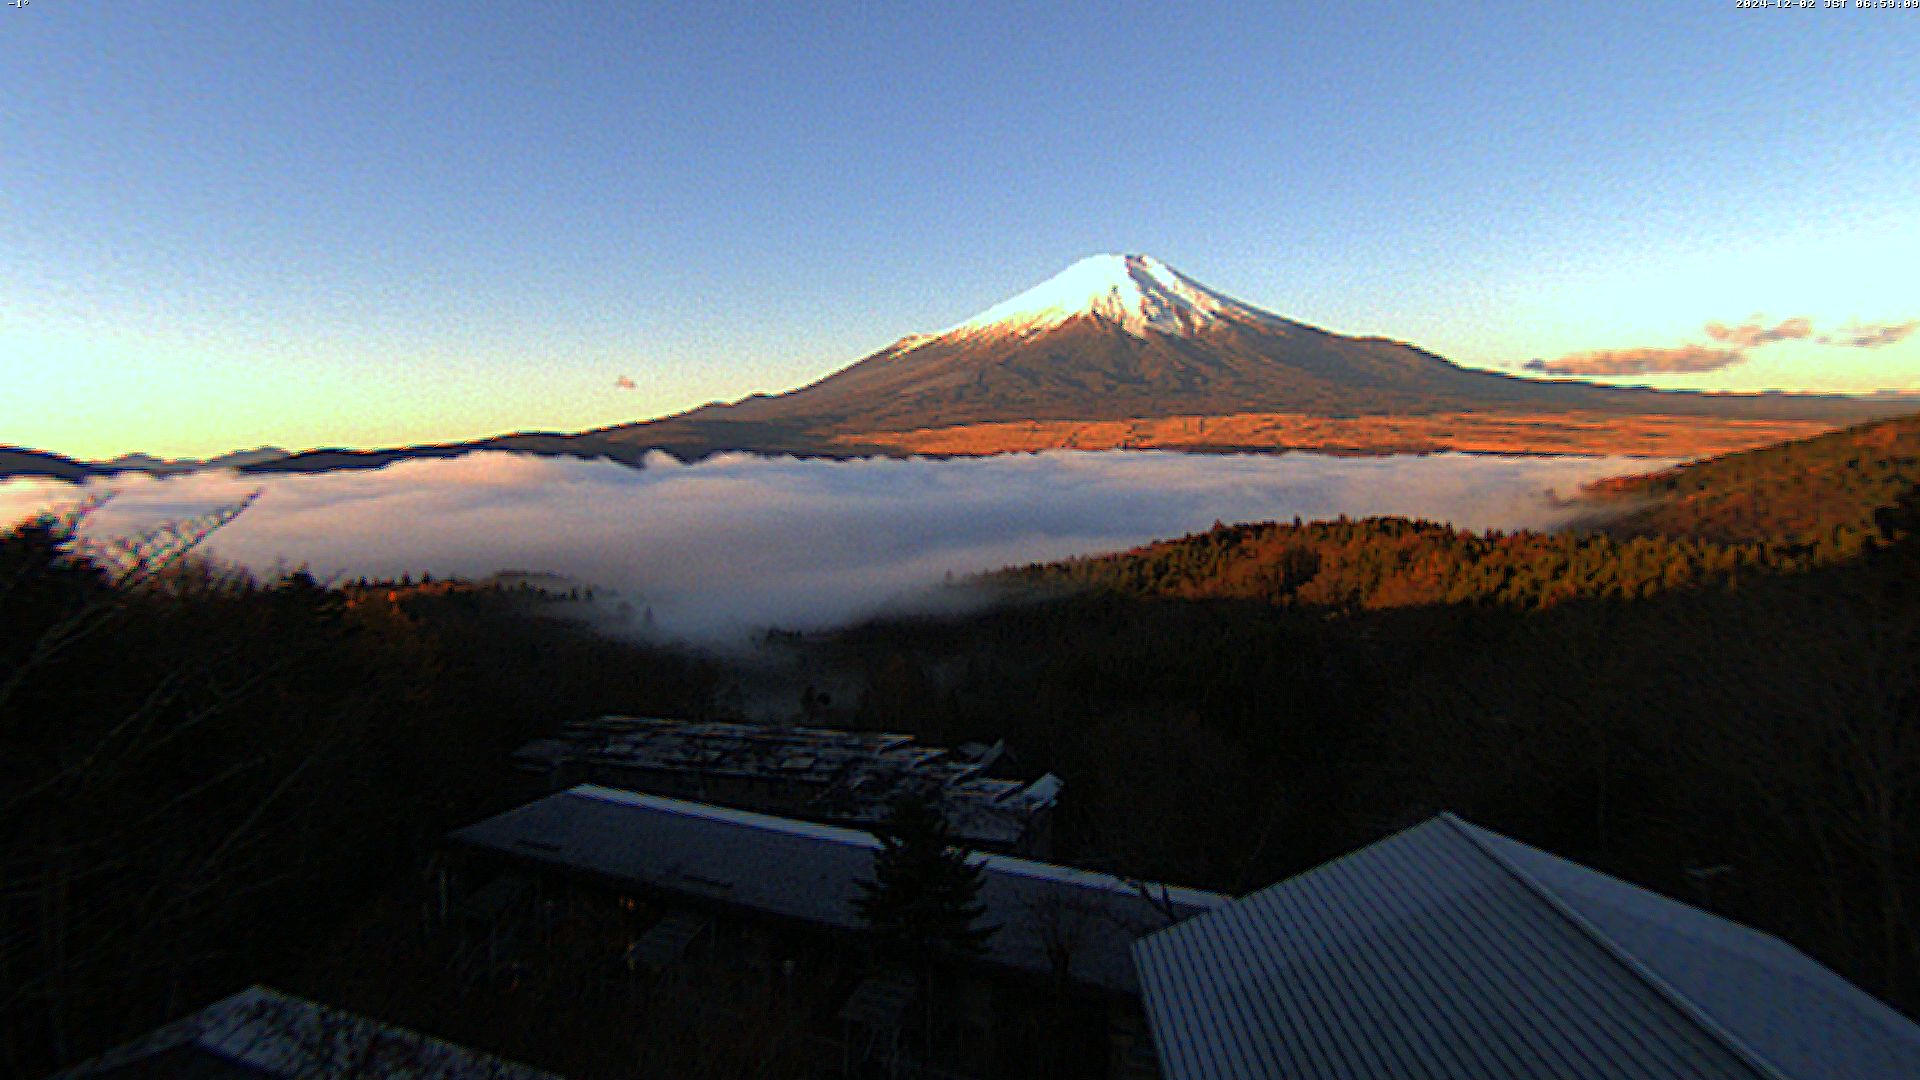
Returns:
<point x="206" y="777"/>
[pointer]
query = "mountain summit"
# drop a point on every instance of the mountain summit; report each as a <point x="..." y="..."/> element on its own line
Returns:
<point x="1137" y="293"/>
<point x="1125" y="350"/>
<point x="1110" y="337"/>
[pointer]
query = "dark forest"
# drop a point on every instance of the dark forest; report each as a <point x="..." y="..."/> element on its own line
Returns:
<point x="1711" y="686"/>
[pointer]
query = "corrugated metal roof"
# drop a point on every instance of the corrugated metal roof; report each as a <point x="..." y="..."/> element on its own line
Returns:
<point x="1796" y="1015"/>
<point x="1447" y="951"/>
<point x="807" y="871"/>
<point x="261" y="1032"/>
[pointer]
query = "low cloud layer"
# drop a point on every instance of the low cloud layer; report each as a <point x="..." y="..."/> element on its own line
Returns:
<point x="1755" y="333"/>
<point x="1871" y="335"/>
<point x="718" y="548"/>
<point x="1687" y="359"/>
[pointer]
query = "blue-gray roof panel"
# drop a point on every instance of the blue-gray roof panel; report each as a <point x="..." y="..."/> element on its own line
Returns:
<point x="1419" y="958"/>
<point x="1798" y="1016"/>
<point x="807" y="871"/>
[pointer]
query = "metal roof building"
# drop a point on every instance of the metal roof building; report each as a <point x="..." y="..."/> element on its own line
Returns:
<point x="807" y="872"/>
<point x="1448" y="951"/>
<point x="263" y="1034"/>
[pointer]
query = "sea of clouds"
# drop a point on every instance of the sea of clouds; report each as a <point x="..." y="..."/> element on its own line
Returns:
<point x="722" y="547"/>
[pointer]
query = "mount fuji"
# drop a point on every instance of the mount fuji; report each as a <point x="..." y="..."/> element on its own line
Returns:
<point x="1126" y="351"/>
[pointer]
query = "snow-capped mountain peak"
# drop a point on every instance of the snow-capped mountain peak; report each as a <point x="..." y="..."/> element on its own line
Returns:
<point x="1136" y="293"/>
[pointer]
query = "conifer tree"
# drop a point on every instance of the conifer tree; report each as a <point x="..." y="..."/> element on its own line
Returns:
<point x="923" y="899"/>
<point x="1900" y="522"/>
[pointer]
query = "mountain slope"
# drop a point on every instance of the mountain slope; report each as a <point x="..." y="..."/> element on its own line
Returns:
<point x="19" y="461"/>
<point x="1791" y="507"/>
<point x="147" y="463"/>
<point x="1126" y="352"/>
<point x="1127" y="337"/>
<point x="1822" y="489"/>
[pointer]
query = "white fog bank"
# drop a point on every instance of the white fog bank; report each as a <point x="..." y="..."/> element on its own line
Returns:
<point x="737" y="542"/>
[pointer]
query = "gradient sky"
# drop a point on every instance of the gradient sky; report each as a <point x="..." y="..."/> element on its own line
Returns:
<point x="224" y="224"/>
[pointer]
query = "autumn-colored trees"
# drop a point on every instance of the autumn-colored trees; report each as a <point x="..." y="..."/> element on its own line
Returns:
<point x="1394" y="563"/>
<point x="1734" y="724"/>
<point x="1820" y="492"/>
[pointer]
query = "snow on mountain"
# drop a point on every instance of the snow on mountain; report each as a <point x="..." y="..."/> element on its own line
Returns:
<point x="1138" y="294"/>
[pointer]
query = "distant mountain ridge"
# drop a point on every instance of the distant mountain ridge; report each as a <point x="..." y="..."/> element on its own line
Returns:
<point x="236" y="459"/>
<point x="20" y="461"/>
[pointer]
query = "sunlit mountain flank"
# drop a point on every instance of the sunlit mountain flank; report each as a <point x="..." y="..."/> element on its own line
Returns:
<point x="1124" y="350"/>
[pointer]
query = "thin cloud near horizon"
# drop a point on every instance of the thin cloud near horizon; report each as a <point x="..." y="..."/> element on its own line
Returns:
<point x="1754" y="333"/>
<point x="1684" y="359"/>
<point x="1871" y="335"/>
<point x="1737" y="341"/>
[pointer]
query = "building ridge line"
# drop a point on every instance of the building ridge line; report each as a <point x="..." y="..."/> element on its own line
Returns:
<point x="1742" y="1051"/>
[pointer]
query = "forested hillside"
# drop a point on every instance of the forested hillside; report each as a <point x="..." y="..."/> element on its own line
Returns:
<point x="1394" y="562"/>
<point x="1786" y="508"/>
<point x="1731" y="718"/>
<point x="1822" y="490"/>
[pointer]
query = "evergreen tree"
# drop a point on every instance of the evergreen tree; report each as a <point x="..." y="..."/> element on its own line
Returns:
<point x="45" y="580"/>
<point x="923" y="899"/>
<point x="1900" y="522"/>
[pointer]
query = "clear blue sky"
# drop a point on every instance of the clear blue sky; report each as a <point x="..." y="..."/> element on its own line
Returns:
<point x="232" y="223"/>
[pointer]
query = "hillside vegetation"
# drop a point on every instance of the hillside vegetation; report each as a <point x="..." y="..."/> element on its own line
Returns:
<point x="1786" y="508"/>
<point x="1823" y="489"/>
<point x="1726" y="715"/>
<point x="1395" y="562"/>
<point x="1572" y="432"/>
